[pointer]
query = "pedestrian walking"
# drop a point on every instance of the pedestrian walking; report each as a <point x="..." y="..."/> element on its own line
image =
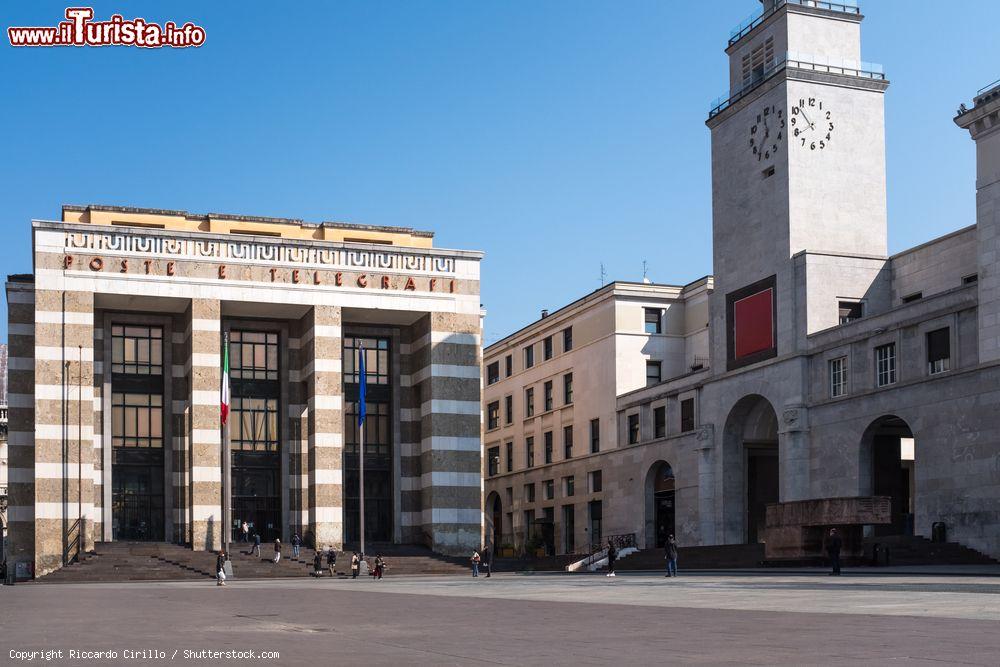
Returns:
<point x="487" y="561"/>
<point x="220" y="569"/>
<point x="244" y="532"/>
<point x="379" y="566"/>
<point x="671" y="556"/>
<point x="255" y="549"/>
<point x="475" y="563"/>
<point x="355" y="566"/>
<point x="612" y="555"/>
<point x="277" y="550"/>
<point x="331" y="561"/>
<point x="318" y="564"/>
<point x="833" y="545"/>
<point x="296" y="544"/>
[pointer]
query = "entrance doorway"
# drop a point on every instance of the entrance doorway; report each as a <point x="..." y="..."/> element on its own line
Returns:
<point x="888" y="469"/>
<point x="762" y="486"/>
<point x="137" y="496"/>
<point x="750" y="460"/>
<point x="660" y="485"/>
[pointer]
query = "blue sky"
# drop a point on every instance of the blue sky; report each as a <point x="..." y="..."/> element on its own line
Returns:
<point x="555" y="136"/>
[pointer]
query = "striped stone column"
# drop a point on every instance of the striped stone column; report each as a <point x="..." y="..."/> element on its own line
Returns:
<point x="206" y="434"/>
<point x="298" y="426"/>
<point x="410" y="494"/>
<point x="64" y="411"/>
<point x="451" y="442"/>
<point x="179" y="416"/>
<point x="321" y="353"/>
<point x="21" y="422"/>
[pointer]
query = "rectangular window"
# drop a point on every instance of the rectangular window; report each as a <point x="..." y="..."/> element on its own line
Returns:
<point x="376" y="359"/>
<point x="509" y="447"/>
<point x="136" y="350"/>
<point x="508" y="404"/>
<point x="508" y="364"/>
<point x="659" y="422"/>
<point x="529" y="452"/>
<point x="633" y="429"/>
<point x="529" y="402"/>
<point x="838" y="377"/>
<point x="254" y="424"/>
<point x="910" y="298"/>
<point x="509" y="493"/>
<point x="653" y="372"/>
<point x="493" y="373"/>
<point x="687" y="415"/>
<point x="529" y="356"/>
<point x="493" y="461"/>
<point x="493" y="415"/>
<point x="938" y="351"/>
<point x="568" y="486"/>
<point x="547" y="348"/>
<point x="653" y="324"/>
<point x="567" y="442"/>
<point x="885" y="365"/>
<point x="549" y="489"/>
<point x="595" y="481"/>
<point x="548" y="446"/>
<point x="595" y="436"/>
<point x="850" y="311"/>
<point x="567" y="339"/>
<point x="547" y="395"/>
<point x="968" y="280"/>
<point x="529" y="493"/>
<point x="568" y="388"/>
<point x="137" y="420"/>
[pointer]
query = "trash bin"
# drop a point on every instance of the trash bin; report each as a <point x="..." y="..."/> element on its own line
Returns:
<point x="939" y="532"/>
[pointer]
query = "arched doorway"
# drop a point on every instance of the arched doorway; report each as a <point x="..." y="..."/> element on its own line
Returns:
<point x="750" y="460"/>
<point x="887" y="468"/>
<point x="494" y="520"/>
<point x="660" y="504"/>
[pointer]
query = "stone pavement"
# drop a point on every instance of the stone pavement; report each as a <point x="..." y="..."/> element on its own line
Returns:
<point x="519" y="619"/>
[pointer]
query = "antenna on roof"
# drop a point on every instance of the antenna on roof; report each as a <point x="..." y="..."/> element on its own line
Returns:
<point x="645" y="278"/>
<point x="604" y="275"/>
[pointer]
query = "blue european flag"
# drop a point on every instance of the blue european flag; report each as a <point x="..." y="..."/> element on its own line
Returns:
<point x="363" y="388"/>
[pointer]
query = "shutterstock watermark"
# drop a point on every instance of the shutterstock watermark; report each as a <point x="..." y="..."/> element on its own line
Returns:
<point x="79" y="29"/>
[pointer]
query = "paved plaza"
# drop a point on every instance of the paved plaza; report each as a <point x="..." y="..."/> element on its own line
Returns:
<point x="800" y="619"/>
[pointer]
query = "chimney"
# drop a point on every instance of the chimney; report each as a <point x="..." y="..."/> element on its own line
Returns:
<point x="545" y="313"/>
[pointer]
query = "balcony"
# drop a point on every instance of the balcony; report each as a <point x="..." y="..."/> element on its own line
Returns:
<point x="987" y="93"/>
<point x="799" y="61"/>
<point x="755" y="19"/>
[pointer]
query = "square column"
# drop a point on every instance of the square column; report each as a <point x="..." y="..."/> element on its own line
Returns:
<point x="207" y="523"/>
<point x="320" y="349"/>
<point x="448" y="356"/>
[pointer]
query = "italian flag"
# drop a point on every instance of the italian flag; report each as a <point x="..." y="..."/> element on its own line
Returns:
<point x="224" y="407"/>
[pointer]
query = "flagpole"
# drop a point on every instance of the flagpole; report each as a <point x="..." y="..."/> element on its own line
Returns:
<point x="361" y="480"/>
<point x="226" y="460"/>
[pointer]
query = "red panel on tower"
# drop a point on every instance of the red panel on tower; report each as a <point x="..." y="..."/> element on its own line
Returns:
<point x="753" y="323"/>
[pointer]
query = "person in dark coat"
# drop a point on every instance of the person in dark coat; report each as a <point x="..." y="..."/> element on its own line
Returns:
<point x="296" y="544"/>
<point x="487" y="560"/>
<point x="220" y="569"/>
<point x="671" y="556"/>
<point x="256" y="545"/>
<point x="277" y="550"/>
<point x="331" y="561"/>
<point x="318" y="564"/>
<point x="355" y="566"/>
<point x="834" y="543"/>
<point x="379" y="566"/>
<point x="612" y="555"/>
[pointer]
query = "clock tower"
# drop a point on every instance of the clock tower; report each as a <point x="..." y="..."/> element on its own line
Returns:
<point x="798" y="164"/>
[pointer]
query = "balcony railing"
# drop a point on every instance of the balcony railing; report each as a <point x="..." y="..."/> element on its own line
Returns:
<point x="755" y="19"/>
<point x="985" y="93"/>
<point x="800" y="61"/>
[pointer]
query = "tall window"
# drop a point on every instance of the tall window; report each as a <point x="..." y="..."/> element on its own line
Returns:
<point x="687" y="415"/>
<point x="137" y="420"/>
<point x="596" y="481"/>
<point x="493" y="372"/>
<point x="653" y="373"/>
<point x="567" y="335"/>
<point x="548" y="446"/>
<point x="254" y="425"/>
<point x="595" y="436"/>
<point x="653" y="323"/>
<point x="529" y="402"/>
<point x="548" y="395"/>
<point x="136" y="350"/>
<point x="253" y="355"/>
<point x="376" y="360"/>
<point x="568" y="388"/>
<point x="508" y="404"/>
<point x="549" y="489"/>
<point x="509" y="447"/>
<point x="529" y="356"/>
<point x="529" y="452"/>
<point x="659" y="422"/>
<point x="568" y="486"/>
<point x="529" y="493"/>
<point x="885" y="364"/>
<point x="547" y="348"/>
<point x="508" y="365"/>
<point x="633" y="429"/>
<point x="493" y="461"/>
<point x="567" y="442"/>
<point x="493" y="415"/>
<point x="838" y="377"/>
<point x="938" y="351"/>
<point x="850" y="311"/>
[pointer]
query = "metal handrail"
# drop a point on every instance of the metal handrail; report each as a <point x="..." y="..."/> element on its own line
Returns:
<point x="988" y="87"/>
<point x="755" y="19"/>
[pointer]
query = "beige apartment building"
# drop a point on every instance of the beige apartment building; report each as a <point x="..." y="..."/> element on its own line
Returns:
<point x="550" y="422"/>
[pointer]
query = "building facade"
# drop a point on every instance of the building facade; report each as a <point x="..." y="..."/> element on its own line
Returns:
<point x="843" y="387"/>
<point x="116" y="346"/>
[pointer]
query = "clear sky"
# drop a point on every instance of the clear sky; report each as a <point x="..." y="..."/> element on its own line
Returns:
<point x="553" y="135"/>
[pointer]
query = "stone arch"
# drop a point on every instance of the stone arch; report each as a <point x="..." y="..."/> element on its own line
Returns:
<point x="887" y="467"/>
<point x="750" y="468"/>
<point x="660" y="503"/>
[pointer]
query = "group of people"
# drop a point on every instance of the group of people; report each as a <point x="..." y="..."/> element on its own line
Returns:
<point x="670" y="556"/>
<point x="481" y="561"/>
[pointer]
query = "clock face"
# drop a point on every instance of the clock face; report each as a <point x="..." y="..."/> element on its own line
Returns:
<point x="811" y="124"/>
<point x="766" y="132"/>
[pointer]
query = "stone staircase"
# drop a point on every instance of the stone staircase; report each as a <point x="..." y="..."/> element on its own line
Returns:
<point x="158" y="561"/>
<point x="916" y="550"/>
<point x="721" y="557"/>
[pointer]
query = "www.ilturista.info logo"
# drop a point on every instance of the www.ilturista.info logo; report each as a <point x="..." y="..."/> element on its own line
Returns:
<point x="80" y="30"/>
